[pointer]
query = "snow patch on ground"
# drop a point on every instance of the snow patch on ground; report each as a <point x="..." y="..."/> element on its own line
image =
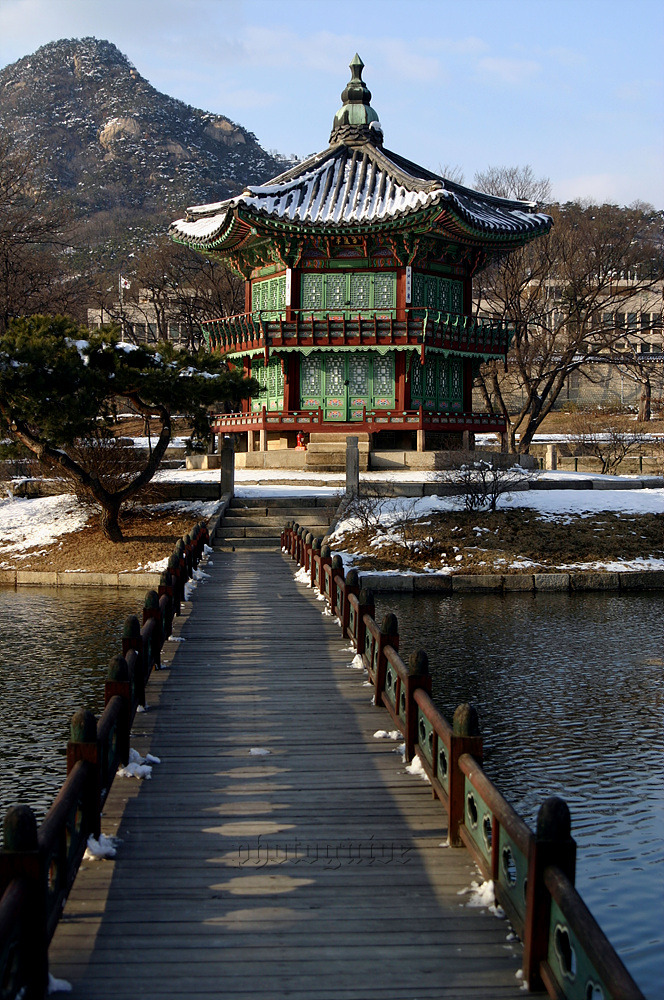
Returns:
<point x="26" y="522"/>
<point x="483" y="894"/>
<point x="416" y="767"/>
<point x="96" y="850"/>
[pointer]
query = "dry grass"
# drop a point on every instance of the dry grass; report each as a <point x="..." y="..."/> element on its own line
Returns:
<point x="492" y="542"/>
<point x="148" y="537"/>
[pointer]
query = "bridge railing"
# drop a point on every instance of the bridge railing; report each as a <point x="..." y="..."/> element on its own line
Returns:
<point x="38" y="865"/>
<point x="564" y="949"/>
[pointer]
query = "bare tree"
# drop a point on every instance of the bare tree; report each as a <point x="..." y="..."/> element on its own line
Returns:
<point x="609" y="443"/>
<point x="560" y="293"/>
<point x="518" y="183"/>
<point x="32" y="278"/>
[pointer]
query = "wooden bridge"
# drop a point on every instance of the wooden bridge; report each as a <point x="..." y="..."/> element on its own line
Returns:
<point x="280" y="848"/>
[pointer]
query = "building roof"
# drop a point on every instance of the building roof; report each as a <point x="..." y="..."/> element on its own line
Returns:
<point x="356" y="183"/>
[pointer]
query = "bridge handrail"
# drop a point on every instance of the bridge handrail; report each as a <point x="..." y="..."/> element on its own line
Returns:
<point x="38" y="865"/>
<point x="565" y="950"/>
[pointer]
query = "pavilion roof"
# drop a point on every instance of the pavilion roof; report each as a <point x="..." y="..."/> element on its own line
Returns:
<point x="355" y="184"/>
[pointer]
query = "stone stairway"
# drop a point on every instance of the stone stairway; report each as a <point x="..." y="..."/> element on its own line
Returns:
<point x="256" y="523"/>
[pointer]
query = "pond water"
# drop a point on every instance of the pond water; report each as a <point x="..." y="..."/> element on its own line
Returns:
<point x="55" y="645"/>
<point x="570" y="692"/>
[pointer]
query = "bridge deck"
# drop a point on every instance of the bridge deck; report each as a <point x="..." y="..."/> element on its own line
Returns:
<point x="314" y="871"/>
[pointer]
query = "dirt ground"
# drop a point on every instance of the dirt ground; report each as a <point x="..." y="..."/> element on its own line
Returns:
<point x="148" y="537"/>
<point x="521" y="540"/>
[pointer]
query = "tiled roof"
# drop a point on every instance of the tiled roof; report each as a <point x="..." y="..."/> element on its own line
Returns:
<point x="359" y="185"/>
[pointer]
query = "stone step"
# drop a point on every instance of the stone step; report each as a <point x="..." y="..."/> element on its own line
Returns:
<point x="267" y="544"/>
<point x="278" y="516"/>
<point x="239" y="503"/>
<point x="254" y="531"/>
<point x="318" y="438"/>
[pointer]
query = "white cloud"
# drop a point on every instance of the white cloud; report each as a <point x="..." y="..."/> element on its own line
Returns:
<point x="509" y="71"/>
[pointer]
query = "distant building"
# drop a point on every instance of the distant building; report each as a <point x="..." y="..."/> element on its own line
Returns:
<point x="140" y="322"/>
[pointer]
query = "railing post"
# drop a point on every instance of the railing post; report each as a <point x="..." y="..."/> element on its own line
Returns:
<point x="351" y="586"/>
<point x="151" y="610"/>
<point x="466" y="738"/>
<point x="418" y="677"/>
<point x="174" y="570"/>
<point x="366" y="606"/>
<point x="308" y="539"/>
<point x="552" y="844"/>
<point x="315" y="555"/>
<point x="325" y="560"/>
<point x="131" y="639"/>
<point x="83" y="745"/>
<point x="21" y="859"/>
<point x="389" y="636"/>
<point x="293" y="539"/>
<point x="337" y="566"/>
<point x="118" y="683"/>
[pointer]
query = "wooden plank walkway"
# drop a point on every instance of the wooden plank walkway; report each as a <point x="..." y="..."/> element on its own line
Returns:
<point x="313" y="872"/>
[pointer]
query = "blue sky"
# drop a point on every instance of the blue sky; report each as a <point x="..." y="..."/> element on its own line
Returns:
<point x="575" y="88"/>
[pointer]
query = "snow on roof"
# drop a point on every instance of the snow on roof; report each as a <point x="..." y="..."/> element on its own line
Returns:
<point x="348" y="185"/>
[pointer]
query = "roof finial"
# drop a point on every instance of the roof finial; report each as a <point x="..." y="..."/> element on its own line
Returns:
<point x="356" y="122"/>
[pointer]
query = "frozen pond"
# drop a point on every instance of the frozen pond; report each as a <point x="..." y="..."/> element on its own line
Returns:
<point x="570" y="689"/>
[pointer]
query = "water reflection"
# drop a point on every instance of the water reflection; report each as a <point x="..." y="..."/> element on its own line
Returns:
<point x="569" y="691"/>
<point x="54" y="650"/>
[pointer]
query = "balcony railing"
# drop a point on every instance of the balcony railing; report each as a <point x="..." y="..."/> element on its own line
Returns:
<point x="372" y="421"/>
<point x="487" y="337"/>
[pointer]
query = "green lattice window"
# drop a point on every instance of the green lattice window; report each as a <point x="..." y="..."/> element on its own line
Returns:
<point x="348" y="293"/>
<point x="271" y="380"/>
<point x="269" y="296"/>
<point x="438" y="385"/>
<point x="436" y="293"/>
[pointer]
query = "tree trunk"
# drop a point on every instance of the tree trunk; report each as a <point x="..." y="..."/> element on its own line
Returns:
<point x="645" y="400"/>
<point x="110" y="522"/>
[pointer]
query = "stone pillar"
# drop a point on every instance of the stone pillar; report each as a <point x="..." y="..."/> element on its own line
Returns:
<point x="352" y="466"/>
<point x="468" y="441"/>
<point x="262" y="439"/>
<point x="421" y="439"/>
<point x="227" y="467"/>
<point x="551" y="457"/>
<point x="250" y="440"/>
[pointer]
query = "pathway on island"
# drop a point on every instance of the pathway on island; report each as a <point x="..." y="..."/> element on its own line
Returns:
<point x="279" y="849"/>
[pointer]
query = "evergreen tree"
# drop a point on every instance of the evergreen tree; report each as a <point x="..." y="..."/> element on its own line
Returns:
<point x="59" y="388"/>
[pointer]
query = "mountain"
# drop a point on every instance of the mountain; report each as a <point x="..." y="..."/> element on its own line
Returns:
<point x="113" y="151"/>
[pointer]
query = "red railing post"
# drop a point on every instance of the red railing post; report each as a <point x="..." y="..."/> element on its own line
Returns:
<point x="465" y="738"/>
<point x="21" y="860"/>
<point x="366" y="606"/>
<point x="337" y="567"/>
<point x="83" y="745"/>
<point x="351" y="587"/>
<point x="552" y="844"/>
<point x="417" y="677"/>
<point x="131" y="639"/>
<point x="118" y="683"/>
<point x="389" y="636"/>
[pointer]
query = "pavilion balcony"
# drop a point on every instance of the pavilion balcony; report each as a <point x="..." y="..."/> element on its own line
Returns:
<point x="372" y="421"/>
<point x="249" y="332"/>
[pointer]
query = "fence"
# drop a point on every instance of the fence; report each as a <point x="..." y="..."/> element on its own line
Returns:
<point x="565" y="950"/>
<point x="38" y="865"/>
